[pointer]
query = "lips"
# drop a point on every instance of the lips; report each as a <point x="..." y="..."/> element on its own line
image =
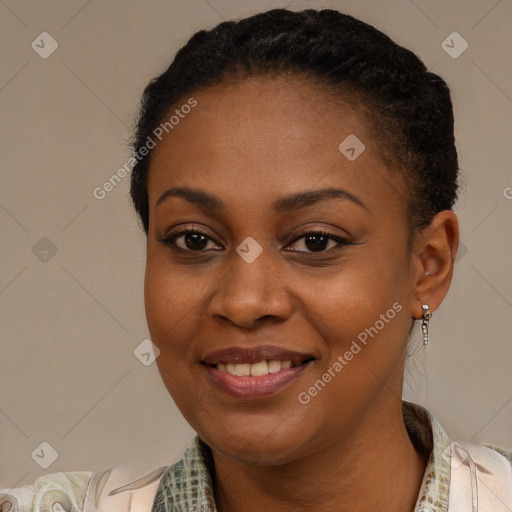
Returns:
<point x="255" y="372"/>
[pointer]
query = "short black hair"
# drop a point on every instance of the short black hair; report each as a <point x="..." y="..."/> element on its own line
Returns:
<point x="410" y="109"/>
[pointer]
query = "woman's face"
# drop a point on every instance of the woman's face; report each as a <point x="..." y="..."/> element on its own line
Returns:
<point x="248" y="166"/>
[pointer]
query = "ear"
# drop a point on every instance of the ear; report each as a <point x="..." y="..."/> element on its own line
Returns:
<point x="434" y="252"/>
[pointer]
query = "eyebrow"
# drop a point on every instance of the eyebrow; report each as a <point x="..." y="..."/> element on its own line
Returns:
<point x="282" y="205"/>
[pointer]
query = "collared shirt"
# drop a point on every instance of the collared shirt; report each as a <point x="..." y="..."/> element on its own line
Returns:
<point x="186" y="486"/>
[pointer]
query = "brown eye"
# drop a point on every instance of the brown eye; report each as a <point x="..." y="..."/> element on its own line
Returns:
<point x="318" y="241"/>
<point x="191" y="240"/>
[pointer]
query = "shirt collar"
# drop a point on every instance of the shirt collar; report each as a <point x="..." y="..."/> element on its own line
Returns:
<point x="429" y="438"/>
<point x="187" y="485"/>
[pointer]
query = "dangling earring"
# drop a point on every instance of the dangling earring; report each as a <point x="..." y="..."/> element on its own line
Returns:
<point x="427" y="315"/>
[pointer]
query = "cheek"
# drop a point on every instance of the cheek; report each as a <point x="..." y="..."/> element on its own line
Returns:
<point x="361" y="317"/>
<point x="366" y="301"/>
<point x="171" y="305"/>
<point x="171" y="302"/>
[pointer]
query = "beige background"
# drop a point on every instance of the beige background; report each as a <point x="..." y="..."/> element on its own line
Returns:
<point x="70" y="324"/>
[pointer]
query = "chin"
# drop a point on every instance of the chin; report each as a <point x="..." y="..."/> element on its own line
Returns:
<point x="256" y="441"/>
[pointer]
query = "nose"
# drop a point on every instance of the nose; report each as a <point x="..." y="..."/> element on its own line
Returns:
<point x="249" y="293"/>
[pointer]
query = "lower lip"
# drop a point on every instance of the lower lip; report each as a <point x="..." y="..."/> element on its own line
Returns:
<point x="251" y="387"/>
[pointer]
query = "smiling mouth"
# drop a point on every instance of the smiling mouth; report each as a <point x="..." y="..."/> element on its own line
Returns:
<point x="254" y="373"/>
<point x="257" y="369"/>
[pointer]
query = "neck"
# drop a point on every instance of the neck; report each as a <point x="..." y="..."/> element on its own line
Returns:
<point x="376" y="466"/>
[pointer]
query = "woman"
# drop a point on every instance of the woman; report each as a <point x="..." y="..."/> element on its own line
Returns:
<point x="295" y="174"/>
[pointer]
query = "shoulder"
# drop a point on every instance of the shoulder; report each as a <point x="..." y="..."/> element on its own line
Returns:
<point x="481" y="473"/>
<point x="67" y="489"/>
<point x="506" y="455"/>
<point x="115" y="490"/>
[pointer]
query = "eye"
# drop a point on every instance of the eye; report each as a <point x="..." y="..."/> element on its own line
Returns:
<point x="195" y="240"/>
<point x="191" y="240"/>
<point x="318" y="241"/>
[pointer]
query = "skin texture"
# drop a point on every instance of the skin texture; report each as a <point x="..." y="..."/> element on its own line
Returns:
<point x="250" y="143"/>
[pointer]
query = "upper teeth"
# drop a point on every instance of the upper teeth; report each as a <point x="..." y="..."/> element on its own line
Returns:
<point x="256" y="369"/>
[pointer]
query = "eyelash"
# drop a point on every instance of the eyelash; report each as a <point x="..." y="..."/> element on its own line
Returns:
<point x="169" y="240"/>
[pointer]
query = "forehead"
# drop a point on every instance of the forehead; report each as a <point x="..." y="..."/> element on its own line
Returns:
<point x="268" y="136"/>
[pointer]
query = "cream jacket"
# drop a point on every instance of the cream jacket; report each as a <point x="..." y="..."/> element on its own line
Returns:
<point x="458" y="478"/>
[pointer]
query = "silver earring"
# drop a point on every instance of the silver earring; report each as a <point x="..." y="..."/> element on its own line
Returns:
<point x="427" y="315"/>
